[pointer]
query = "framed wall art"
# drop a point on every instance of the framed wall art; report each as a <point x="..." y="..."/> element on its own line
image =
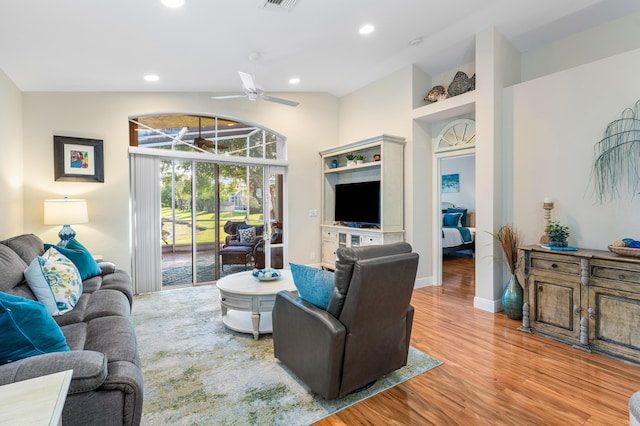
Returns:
<point x="78" y="159"/>
<point x="451" y="183"/>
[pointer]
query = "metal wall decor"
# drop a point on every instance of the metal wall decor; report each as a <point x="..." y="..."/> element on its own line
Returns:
<point x="616" y="164"/>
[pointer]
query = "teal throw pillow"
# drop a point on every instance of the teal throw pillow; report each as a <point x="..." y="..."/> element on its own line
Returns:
<point x="55" y="281"/>
<point x="81" y="257"/>
<point x="27" y="329"/>
<point x="314" y="285"/>
<point x="463" y="219"/>
<point x="452" y="219"/>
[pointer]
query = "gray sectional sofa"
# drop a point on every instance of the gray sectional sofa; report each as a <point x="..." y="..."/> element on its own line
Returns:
<point x="107" y="385"/>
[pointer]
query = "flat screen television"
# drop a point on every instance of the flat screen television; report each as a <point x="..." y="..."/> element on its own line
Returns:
<point x="358" y="203"/>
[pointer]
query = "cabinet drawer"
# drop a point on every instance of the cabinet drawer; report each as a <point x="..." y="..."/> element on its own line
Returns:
<point x="616" y="274"/>
<point x="370" y="240"/>
<point x="556" y="265"/>
<point x="329" y="235"/>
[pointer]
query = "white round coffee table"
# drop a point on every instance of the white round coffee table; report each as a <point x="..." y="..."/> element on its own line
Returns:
<point x="247" y="303"/>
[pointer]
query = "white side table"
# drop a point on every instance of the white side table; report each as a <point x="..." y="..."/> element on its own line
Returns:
<point x="36" y="401"/>
<point x="247" y="303"/>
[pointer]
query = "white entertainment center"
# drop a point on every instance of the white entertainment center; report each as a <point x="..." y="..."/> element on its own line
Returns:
<point x="383" y="161"/>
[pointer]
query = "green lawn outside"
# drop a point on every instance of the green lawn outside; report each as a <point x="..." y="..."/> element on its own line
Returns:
<point x="205" y="225"/>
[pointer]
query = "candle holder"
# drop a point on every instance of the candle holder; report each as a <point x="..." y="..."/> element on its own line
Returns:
<point x="548" y="206"/>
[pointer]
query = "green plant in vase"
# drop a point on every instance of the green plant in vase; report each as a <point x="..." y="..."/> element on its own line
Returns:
<point x="358" y="158"/>
<point x="558" y="234"/>
<point x="351" y="159"/>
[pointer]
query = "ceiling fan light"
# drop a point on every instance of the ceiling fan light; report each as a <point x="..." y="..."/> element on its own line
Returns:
<point x="280" y="4"/>
<point x="151" y="77"/>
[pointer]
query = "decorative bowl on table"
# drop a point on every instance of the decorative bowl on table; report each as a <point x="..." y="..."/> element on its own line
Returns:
<point x="625" y="251"/>
<point x="266" y="274"/>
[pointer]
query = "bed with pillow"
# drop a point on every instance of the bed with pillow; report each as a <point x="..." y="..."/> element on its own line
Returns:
<point x="458" y="232"/>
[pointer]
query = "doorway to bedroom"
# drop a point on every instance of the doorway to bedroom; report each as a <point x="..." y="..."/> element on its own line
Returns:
<point x="457" y="186"/>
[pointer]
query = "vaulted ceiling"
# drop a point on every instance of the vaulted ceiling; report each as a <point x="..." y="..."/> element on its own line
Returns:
<point x="89" y="45"/>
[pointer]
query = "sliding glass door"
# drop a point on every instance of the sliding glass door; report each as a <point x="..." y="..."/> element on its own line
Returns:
<point x="191" y="175"/>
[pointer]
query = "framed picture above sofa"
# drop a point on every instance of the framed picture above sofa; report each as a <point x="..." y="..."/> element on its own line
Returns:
<point x="78" y="159"/>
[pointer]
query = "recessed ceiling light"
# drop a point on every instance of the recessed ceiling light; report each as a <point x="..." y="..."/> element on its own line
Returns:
<point x="294" y="80"/>
<point x="173" y="3"/>
<point x="367" y="29"/>
<point x="151" y="77"/>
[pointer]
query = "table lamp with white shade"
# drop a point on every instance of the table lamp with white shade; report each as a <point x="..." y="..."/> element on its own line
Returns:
<point x="65" y="212"/>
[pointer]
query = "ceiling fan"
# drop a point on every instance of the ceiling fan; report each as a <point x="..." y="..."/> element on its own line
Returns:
<point x="252" y="91"/>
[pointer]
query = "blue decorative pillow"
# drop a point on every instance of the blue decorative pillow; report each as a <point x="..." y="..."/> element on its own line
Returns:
<point x="452" y="219"/>
<point x="27" y="329"/>
<point x="55" y="281"/>
<point x="314" y="285"/>
<point x="80" y="256"/>
<point x="463" y="220"/>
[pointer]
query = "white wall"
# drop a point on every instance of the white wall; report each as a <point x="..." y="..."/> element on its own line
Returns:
<point x="310" y="127"/>
<point x="611" y="38"/>
<point x="385" y="107"/>
<point x="554" y="125"/>
<point x="11" y="201"/>
<point x="465" y="167"/>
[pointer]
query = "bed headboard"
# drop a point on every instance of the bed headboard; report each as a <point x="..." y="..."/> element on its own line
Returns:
<point x="471" y="219"/>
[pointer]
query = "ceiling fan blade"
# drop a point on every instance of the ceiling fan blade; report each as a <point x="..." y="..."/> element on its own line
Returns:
<point x="229" y="96"/>
<point x="247" y="81"/>
<point x="280" y="100"/>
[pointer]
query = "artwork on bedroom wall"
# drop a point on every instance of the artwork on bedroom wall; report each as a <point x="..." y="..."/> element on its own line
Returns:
<point x="451" y="183"/>
<point x="78" y="159"/>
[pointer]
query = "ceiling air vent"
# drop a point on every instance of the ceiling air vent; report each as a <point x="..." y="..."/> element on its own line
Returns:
<point x="280" y="4"/>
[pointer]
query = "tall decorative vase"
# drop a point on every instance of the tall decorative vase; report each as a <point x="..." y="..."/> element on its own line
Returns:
<point x="512" y="299"/>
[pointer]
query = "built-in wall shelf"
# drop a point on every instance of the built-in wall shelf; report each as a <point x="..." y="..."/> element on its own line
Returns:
<point x="354" y="167"/>
<point x="448" y="108"/>
<point x="384" y="163"/>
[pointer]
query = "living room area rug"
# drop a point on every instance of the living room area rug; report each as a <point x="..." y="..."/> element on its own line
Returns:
<point x="198" y="372"/>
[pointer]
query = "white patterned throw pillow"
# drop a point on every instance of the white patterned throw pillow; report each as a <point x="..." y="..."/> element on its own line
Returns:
<point x="55" y="281"/>
<point x="247" y="235"/>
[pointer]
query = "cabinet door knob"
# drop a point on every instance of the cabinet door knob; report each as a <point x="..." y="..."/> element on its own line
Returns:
<point x="540" y="289"/>
<point x="554" y="265"/>
<point x="621" y="277"/>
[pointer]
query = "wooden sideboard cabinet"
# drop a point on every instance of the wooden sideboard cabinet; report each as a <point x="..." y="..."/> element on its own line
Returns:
<point x="587" y="298"/>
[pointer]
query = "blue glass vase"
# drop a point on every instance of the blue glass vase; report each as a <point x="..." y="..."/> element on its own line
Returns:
<point x="512" y="299"/>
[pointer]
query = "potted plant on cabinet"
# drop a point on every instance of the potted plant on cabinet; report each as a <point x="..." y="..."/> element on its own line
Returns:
<point x="358" y="158"/>
<point x="558" y="234"/>
<point x="512" y="296"/>
<point x="351" y="159"/>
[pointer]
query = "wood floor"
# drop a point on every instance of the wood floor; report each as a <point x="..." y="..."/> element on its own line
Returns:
<point x="493" y="374"/>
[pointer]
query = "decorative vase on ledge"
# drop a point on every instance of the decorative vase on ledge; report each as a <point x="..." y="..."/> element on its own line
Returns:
<point x="512" y="299"/>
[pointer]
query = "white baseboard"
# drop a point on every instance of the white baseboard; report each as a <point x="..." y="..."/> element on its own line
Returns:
<point x="487" y="305"/>
<point x="423" y="282"/>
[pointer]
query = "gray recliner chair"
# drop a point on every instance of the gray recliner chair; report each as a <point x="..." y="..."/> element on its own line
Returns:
<point x="365" y="331"/>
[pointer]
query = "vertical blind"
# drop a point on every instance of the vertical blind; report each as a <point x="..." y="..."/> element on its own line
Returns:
<point x="146" y="255"/>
